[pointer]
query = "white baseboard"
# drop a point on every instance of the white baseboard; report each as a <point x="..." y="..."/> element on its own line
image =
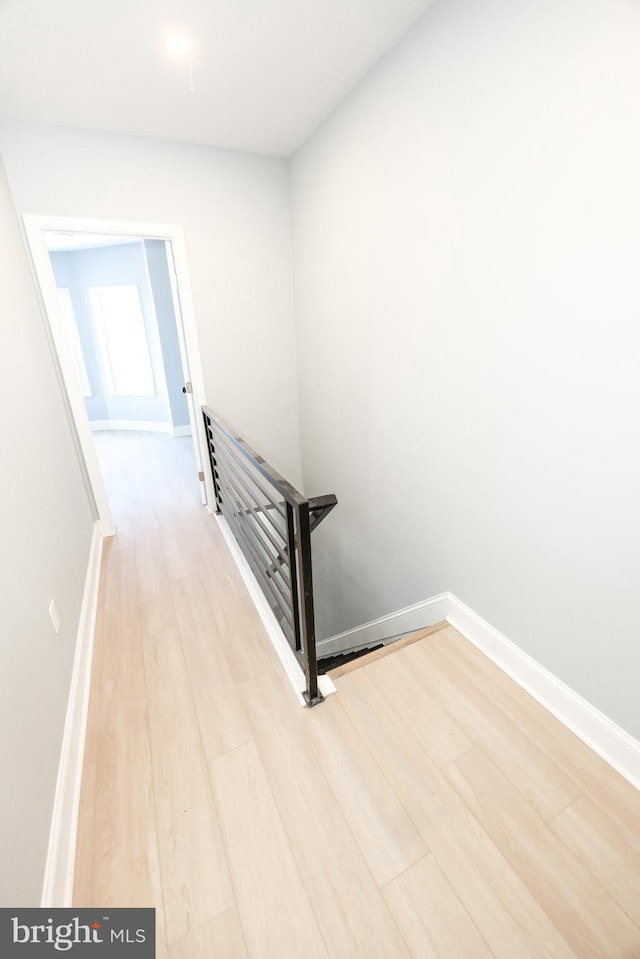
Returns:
<point x="617" y="747"/>
<point x="427" y="613"/>
<point x="279" y="641"/>
<point x="57" y="888"/>
<point x="147" y="426"/>
<point x="600" y="733"/>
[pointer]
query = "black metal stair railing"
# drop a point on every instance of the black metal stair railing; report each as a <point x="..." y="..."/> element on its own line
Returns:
<point x="272" y="523"/>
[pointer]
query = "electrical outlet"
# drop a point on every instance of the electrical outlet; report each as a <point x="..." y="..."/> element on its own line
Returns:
<point x="55" y="616"/>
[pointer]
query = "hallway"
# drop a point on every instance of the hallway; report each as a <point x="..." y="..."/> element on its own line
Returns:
<point x="429" y="809"/>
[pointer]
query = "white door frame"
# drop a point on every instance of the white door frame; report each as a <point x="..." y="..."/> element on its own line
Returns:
<point x="35" y="228"/>
<point x="193" y="405"/>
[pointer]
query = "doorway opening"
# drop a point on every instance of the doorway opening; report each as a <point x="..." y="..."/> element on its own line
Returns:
<point x="120" y="317"/>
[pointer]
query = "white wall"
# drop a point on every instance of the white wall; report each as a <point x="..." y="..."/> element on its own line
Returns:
<point x="234" y="210"/>
<point x="44" y="548"/>
<point x="467" y="262"/>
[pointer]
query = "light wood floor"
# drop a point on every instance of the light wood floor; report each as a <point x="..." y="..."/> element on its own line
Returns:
<point x="429" y="809"/>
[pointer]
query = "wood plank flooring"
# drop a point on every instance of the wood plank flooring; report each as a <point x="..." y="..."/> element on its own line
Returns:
<point x="430" y="809"/>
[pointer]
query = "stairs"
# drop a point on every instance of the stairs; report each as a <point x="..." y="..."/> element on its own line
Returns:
<point x="341" y="659"/>
<point x="338" y="661"/>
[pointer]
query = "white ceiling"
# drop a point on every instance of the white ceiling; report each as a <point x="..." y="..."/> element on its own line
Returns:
<point x="266" y="72"/>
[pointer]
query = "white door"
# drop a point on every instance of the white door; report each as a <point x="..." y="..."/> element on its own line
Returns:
<point x="195" y="414"/>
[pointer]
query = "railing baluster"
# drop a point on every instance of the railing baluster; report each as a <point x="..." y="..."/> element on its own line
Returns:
<point x="270" y="548"/>
<point x="307" y="617"/>
<point x="291" y="545"/>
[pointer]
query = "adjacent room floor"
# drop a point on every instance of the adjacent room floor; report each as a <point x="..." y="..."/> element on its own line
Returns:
<point x="429" y="809"/>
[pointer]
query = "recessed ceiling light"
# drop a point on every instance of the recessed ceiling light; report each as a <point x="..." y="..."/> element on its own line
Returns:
<point x="177" y="44"/>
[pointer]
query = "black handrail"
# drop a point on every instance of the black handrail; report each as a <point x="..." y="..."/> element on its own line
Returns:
<point x="272" y="523"/>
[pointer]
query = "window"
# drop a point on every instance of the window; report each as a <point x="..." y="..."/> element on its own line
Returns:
<point x="122" y="338"/>
<point x="71" y="329"/>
